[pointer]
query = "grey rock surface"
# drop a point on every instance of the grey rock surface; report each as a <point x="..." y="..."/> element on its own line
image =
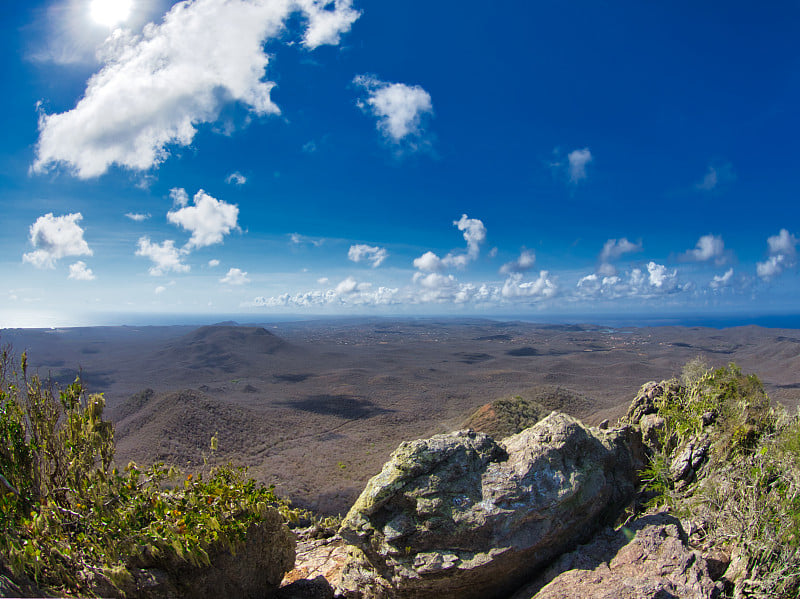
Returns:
<point x="648" y="559"/>
<point x="646" y="399"/>
<point x="317" y="557"/>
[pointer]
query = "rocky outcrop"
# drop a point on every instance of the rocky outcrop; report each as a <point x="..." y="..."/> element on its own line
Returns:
<point x="319" y="556"/>
<point x="461" y="515"/>
<point x="647" y="559"/>
<point x="647" y="398"/>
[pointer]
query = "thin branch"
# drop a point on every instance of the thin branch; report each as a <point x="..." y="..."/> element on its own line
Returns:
<point x="8" y="485"/>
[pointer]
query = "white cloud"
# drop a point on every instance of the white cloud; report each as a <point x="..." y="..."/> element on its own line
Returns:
<point x="657" y="281"/>
<point x="136" y="217"/>
<point x="524" y="263"/>
<point x="660" y="277"/>
<point x="771" y="267"/>
<point x="208" y="219"/>
<point x="349" y="285"/>
<point x="56" y="237"/>
<point x="782" y="255"/>
<point x="398" y="107"/>
<point x="159" y="290"/>
<point x="456" y="260"/>
<point x="578" y="159"/>
<point x="80" y="272"/>
<point x="213" y="263"/>
<point x="235" y="276"/>
<point x="543" y="287"/>
<point x="428" y="262"/>
<point x="783" y="243"/>
<point x="297" y="239"/>
<point x="434" y="280"/>
<point x="474" y="234"/>
<point x="436" y="288"/>
<point x="166" y="257"/>
<point x="715" y="176"/>
<point x="368" y="253"/>
<point x="156" y="88"/>
<point x="708" y="247"/>
<point x="426" y="288"/>
<point x="327" y="21"/>
<point x="709" y="181"/>
<point x="589" y="282"/>
<point x="236" y="178"/>
<point x="347" y="293"/>
<point x="607" y="269"/>
<point x="179" y="197"/>
<point x="724" y="280"/>
<point x="610" y="287"/>
<point x="323" y="280"/>
<point x="614" y="248"/>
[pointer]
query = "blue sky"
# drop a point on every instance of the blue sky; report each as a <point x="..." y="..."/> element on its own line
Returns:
<point x="274" y="157"/>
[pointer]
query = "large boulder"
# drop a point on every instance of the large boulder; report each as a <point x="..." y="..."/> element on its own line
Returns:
<point x="461" y="515"/>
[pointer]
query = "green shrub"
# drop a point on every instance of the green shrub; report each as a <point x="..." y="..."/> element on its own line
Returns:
<point x="69" y="516"/>
<point x="748" y="491"/>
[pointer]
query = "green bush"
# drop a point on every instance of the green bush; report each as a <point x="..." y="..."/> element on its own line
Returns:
<point x="69" y="517"/>
<point x="747" y="493"/>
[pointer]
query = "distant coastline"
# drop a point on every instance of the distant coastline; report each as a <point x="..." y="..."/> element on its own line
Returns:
<point x="716" y="321"/>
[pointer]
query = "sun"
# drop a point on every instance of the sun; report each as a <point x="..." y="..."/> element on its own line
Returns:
<point x="110" y="12"/>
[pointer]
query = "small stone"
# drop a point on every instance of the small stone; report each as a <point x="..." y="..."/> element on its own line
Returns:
<point x="681" y="466"/>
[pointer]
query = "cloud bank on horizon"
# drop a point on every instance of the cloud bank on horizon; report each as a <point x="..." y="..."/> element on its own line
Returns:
<point x="271" y="106"/>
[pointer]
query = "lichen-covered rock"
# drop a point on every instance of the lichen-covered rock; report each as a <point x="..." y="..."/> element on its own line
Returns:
<point x="653" y="428"/>
<point x="648" y="559"/>
<point x="688" y="459"/>
<point x="461" y="515"/>
<point x="646" y="399"/>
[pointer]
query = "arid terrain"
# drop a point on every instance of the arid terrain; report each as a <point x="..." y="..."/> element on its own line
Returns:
<point x="316" y="407"/>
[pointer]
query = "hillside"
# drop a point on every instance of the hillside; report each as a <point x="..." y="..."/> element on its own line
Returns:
<point x="223" y="349"/>
<point x="700" y="479"/>
<point x="317" y="407"/>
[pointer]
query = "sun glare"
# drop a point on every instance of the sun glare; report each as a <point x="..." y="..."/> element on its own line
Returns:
<point x="110" y="12"/>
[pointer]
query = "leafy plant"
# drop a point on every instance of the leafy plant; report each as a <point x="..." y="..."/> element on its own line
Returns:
<point x="748" y="492"/>
<point x="69" y="517"/>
